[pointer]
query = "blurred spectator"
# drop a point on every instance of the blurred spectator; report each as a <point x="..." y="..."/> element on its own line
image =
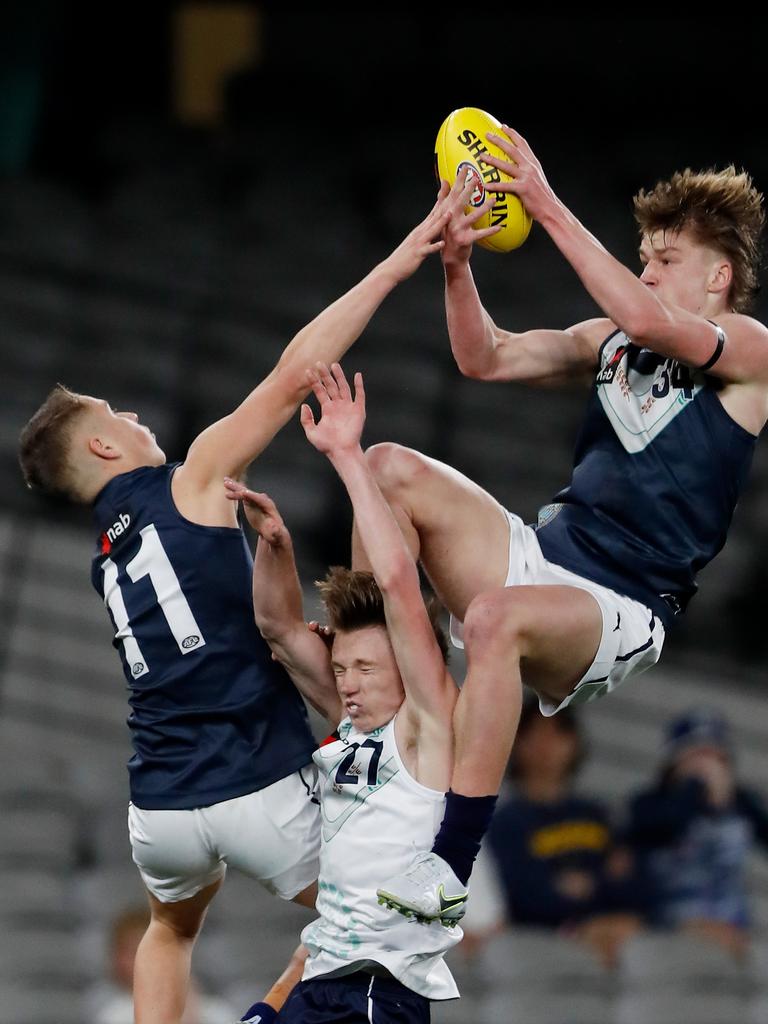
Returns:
<point x="553" y="850"/>
<point x="692" y="833"/>
<point x="111" y="1001"/>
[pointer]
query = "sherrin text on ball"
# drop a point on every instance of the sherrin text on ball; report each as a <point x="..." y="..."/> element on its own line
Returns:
<point x="459" y="147"/>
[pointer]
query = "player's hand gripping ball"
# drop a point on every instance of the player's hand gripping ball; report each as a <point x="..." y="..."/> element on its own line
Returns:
<point x="460" y="141"/>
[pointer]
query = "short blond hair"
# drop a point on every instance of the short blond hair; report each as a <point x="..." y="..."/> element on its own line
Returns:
<point x="45" y="444"/>
<point x="723" y="209"/>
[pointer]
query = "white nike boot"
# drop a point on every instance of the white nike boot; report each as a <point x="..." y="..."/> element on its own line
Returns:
<point x="429" y="890"/>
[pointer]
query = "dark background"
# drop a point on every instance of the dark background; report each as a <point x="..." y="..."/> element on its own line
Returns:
<point x="166" y="229"/>
<point x="164" y="260"/>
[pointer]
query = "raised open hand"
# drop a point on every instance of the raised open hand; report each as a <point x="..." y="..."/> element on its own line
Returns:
<point x="423" y="240"/>
<point x="341" y="415"/>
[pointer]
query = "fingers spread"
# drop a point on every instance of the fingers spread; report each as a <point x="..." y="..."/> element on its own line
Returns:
<point x="328" y="382"/>
<point x="508" y="166"/>
<point x="487" y="232"/>
<point x="341" y="381"/>
<point x="515" y="137"/>
<point x="506" y="142"/>
<point x="480" y="212"/>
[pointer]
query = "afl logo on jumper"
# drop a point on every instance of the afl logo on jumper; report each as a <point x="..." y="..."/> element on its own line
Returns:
<point x="190" y="641"/>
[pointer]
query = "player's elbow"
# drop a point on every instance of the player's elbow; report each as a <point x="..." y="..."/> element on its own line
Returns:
<point x="273" y="629"/>
<point x="290" y="381"/>
<point x="475" y="361"/>
<point x="295" y="390"/>
<point x="400" y="576"/>
<point x="645" y="323"/>
<point x="473" y="370"/>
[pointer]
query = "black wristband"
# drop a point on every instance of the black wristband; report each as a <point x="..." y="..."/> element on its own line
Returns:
<point x="718" y="348"/>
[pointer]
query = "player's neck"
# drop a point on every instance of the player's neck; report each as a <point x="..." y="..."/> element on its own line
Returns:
<point x="714" y="306"/>
<point x="107" y="473"/>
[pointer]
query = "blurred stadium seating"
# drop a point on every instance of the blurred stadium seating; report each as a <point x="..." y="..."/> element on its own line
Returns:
<point x="171" y="292"/>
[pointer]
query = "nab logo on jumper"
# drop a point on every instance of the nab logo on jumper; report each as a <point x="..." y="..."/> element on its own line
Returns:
<point x="115" y="531"/>
<point x="212" y="716"/>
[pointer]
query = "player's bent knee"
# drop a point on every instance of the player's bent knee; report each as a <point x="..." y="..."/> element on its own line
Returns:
<point x="495" y="618"/>
<point x="394" y="466"/>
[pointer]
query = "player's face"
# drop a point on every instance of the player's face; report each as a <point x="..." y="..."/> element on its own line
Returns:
<point x="367" y="677"/>
<point x="680" y="269"/>
<point x="123" y="430"/>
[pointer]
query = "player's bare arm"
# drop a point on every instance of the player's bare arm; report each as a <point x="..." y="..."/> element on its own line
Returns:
<point x="278" y="604"/>
<point x="429" y="688"/>
<point x="484" y="351"/>
<point x="227" y="447"/>
<point x="665" y="327"/>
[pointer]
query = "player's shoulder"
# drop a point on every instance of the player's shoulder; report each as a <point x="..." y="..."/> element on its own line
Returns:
<point x="594" y="332"/>
<point x="745" y="325"/>
<point x="743" y="341"/>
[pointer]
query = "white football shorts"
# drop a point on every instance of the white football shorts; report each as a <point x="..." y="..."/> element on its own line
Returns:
<point x="632" y="636"/>
<point x="272" y="835"/>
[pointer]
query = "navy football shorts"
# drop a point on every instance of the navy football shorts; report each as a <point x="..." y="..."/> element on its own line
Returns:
<point x="358" y="998"/>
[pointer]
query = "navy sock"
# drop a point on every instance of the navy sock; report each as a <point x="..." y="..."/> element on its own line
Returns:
<point x="260" y="1013"/>
<point x="464" y="824"/>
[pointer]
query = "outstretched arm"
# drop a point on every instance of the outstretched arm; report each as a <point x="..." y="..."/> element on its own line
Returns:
<point x="661" y="327"/>
<point x="228" y="446"/>
<point x="278" y="604"/>
<point x="481" y="349"/>
<point x="430" y="690"/>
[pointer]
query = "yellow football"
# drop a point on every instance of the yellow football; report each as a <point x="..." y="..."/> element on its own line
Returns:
<point x="460" y="141"/>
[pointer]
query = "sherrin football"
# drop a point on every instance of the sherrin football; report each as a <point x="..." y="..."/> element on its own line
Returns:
<point x="460" y="141"/>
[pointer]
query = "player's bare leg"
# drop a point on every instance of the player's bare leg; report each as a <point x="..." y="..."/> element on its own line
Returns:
<point x="547" y="636"/>
<point x="163" y="959"/>
<point x="544" y="636"/>
<point x="455" y="528"/>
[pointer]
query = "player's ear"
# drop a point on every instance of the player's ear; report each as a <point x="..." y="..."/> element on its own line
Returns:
<point x="102" y="448"/>
<point x="721" y="276"/>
